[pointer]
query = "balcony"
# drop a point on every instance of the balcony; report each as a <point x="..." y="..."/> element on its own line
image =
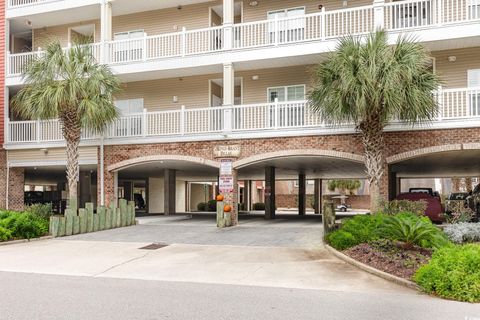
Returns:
<point x="311" y="28"/>
<point x="23" y="3"/>
<point x="458" y="108"/>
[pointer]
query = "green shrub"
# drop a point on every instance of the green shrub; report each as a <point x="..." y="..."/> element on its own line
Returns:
<point x="356" y="230"/>
<point x="259" y="206"/>
<point x="394" y="207"/>
<point x="24" y="225"/>
<point x="5" y="234"/>
<point x="453" y="272"/>
<point x="412" y="230"/>
<point x="202" y="206"/>
<point x="212" y="205"/>
<point x="41" y="210"/>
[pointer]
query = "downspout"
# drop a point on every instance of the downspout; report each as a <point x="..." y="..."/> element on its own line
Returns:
<point x="102" y="174"/>
<point x="8" y="183"/>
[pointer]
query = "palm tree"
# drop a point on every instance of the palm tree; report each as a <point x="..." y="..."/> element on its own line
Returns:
<point x="69" y="85"/>
<point x="368" y="83"/>
<point x="343" y="186"/>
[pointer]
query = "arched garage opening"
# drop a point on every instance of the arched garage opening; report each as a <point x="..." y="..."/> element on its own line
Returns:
<point x="303" y="173"/>
<point x="166" y="184"/>
<point x="437" y="168"/>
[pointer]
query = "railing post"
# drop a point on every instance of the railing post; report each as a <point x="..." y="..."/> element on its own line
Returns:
<point x="275" y="114"/>
<point x="8" y="63"/>
<point x="439" y="12"/>
<point x="182" y="120"/>
<point x="37" y="124"/>
<point x="7" y="129"/>
<point x="184" y="41"/>
<point x="277" y="31"/>
<point x="323" y="24"/>
<point x="379" y="14"/>
<point x="227" y="119"/>
<point x="144" y="123"/>
<point x="144" y="49"/>
<point x="440" y="103"/>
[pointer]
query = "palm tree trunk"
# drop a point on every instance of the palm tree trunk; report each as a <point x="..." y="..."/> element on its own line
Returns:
<point x="72" y="133"/>
<point x="374" y="145"/>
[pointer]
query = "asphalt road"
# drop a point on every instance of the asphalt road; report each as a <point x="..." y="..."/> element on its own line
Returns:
<point x="36" y="296"/>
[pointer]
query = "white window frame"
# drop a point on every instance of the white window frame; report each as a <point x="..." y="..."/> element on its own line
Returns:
<point x="287" y="29"/>
<point x="285" y="88"/>
<point x="129" y="51"/>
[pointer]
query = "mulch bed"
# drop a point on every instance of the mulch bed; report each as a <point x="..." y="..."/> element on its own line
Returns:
<point x="390" y="257"/>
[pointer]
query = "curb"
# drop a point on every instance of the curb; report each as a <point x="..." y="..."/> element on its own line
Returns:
<point x="376" y="272"/>
<point x="7" y="243"/>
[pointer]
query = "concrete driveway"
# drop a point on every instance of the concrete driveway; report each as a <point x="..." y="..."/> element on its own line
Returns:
<point x="284" y="253"/>
<point x="254" y="230"/>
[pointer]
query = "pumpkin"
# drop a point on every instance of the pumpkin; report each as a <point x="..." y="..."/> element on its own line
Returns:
<point x="227" y="208"/>
<point x="220" y="197"/>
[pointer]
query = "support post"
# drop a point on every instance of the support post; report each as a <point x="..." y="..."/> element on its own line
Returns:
<point x="317" y="197"/>
<point x="106" y="29"/>
<point x="270" y="193"/>
<point x="169" y="192"/>
<point x="302" y="194"/>
<point x="228" y="95"/>
<point x="247" y="195"/>
<point x="393" y="182"/>
<point x="228" y="21"/>
<point x="379" y="14"/>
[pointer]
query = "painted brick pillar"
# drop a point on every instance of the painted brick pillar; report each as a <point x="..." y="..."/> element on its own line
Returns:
<point x="302" y="194"/>
<point x="16" y="189"/>
<point x="270" y="209"/>
<point x="231" y="198"/>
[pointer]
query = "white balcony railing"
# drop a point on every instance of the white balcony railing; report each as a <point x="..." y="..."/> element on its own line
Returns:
<point x="398" y="15"/>
<point x="455" y="104"/>
<point x="22" y="3"/>
<point x="16" y="63"/>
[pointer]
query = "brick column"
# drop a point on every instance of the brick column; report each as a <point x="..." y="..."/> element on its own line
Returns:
<point x="16" y="189"/>
<point x="228" y="186"/>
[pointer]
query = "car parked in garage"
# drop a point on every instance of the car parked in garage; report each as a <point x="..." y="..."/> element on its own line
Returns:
<point x="434" y="206"/>
<point x="475" y="200"/>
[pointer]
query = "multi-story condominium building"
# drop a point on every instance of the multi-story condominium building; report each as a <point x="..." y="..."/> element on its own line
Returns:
<point x="210" y="81"/>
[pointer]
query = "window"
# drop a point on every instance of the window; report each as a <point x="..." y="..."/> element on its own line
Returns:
<point x="130" y="122"/>
<point x="130" y="47"/>
<point x="289" y="114"/>
<point x="288" y="93"/>
<point x="291" y="26"/>
<point x="474" y="95"/>
<point x="410" y="15"/>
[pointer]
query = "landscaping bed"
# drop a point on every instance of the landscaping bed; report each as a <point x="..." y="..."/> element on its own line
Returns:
<point x="409" y="246"/>
<point x="390" y="257"/>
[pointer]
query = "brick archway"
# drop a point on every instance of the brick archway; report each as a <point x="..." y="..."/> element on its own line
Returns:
<point x="148" y="159"/>
<point x="424" y="151"/>
<point x="297" y="153"/>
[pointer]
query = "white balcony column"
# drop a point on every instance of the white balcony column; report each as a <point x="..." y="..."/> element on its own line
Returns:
<point x="379" y="14"/>
<point x="228" y="21"/>
<point x="228" y="95"/>
<point x="106" y="29"/>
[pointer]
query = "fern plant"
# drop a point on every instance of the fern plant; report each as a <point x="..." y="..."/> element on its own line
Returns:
<point x="412" y="231"/>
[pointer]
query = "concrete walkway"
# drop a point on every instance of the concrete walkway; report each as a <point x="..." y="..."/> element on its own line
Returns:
<point x="286" y="254"/>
